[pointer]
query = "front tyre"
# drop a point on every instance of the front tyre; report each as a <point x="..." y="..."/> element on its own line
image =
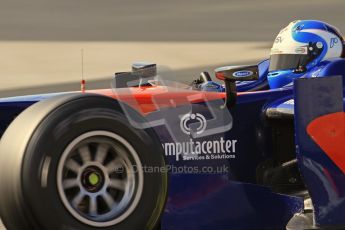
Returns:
<point x="75" y="162"/>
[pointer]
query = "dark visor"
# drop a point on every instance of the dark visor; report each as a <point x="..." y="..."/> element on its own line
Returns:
<point x="288" y="61"/>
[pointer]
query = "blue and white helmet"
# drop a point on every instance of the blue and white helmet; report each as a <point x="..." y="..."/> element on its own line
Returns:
<point x="301" y="46"/>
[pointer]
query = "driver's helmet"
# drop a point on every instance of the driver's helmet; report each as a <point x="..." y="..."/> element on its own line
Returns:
<point x="301" y="46"/>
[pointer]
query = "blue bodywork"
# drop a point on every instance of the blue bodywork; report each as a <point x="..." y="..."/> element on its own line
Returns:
<point x="325" y="180"/>
<point x="236" y="199"/>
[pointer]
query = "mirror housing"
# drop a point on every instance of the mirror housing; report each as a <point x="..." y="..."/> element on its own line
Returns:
<point x="238" y="73"/>
<point x="231" y="74"/>
<point x="141" y="73"/>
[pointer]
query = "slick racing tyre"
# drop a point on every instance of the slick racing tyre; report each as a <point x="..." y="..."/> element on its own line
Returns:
<point x="75" y="162"/>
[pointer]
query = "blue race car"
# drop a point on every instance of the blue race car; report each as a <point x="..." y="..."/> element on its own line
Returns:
<point x="264" y="151"/>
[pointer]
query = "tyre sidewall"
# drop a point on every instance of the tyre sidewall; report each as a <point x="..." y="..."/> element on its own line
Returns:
<point x="53" y="135"/>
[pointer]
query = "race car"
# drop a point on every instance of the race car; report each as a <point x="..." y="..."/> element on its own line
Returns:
<point x="263" y="151"/>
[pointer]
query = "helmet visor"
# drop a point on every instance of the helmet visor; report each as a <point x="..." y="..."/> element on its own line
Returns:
<point x="287" y="61"/>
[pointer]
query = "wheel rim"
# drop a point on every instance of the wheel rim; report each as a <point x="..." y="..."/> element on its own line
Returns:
<point x="100" y="178"/>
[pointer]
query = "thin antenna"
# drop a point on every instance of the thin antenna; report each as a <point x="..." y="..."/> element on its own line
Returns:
<point x="83" y="82"/>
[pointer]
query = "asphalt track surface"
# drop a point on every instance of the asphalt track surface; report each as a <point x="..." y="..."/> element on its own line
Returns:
<point x="158" y="20"/>
<point x="40" y="40"/>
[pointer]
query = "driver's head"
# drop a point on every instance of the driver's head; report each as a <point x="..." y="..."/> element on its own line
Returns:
<point x="299" y="47"/>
